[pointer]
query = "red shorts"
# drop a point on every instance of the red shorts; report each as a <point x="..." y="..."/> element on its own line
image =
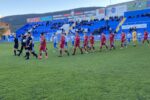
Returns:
<point x="85" y="44"/>
<point x="145" y="38"/>
<point x="122" y="41"/>
<point x="42" y="48"/>
<point x="62" y="46"/>
<point x="77" y="45"/>
<point x="103" y="43"/>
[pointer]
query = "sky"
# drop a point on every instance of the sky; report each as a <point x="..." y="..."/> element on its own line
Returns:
<point x="15" y="7"/>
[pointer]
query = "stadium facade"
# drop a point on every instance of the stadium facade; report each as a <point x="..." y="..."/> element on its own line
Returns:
<point x="102" y="12"/>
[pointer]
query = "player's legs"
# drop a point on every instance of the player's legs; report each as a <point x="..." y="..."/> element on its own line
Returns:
<point x="112" y="45"/>
<point x="60" y="53"/>
<point x="147" y="41"/>
<point x="122" y="44"/>
<point x="134" y="43"/>
<point x="66" y="44"/>
<point x="92" y="47"/>
<point x="62" y="46"/>
<point x="101" y="46"/>
<point x="129" y="40"/>
<point x="143" y="41"/>
<point x="66" y="51"/>
<point x="15" y="49"/>
<point x="74" y="51"/>
<point x="75" y="47"/>
<point x="40" y="53"/>
<point x="54" y="45"/>
<point x="85" y="48"/>
<point x="46" y="53"/>
<point x="21" y="50"/>
<point x="72" y="43"/>
<point x="106" y="45"/>
<point x="27" y="53"/>
<point x="80" y="49"/>
<point x="33" y="52"/>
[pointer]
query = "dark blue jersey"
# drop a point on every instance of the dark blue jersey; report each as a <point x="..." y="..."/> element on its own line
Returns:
<point x="23" y="40"/>
<point x="16" y="41"/>
<point x="29" y="41"/>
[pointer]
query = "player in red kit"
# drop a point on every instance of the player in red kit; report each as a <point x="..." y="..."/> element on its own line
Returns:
<point x="92" y="42"/>
<point x="145" y="37"/>
<point x="112" y="40"/>
<point x="103" y="41"/>
<point x="77" y="44"/>
<point x="62" y="45"/>
<point x="85" y="46"/>
<point x="123" y="40"/>
<point x="43" y="47"/>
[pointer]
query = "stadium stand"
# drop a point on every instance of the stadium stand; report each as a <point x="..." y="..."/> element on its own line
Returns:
<point x="50" y="27"/>
<point x="141" y="18"/>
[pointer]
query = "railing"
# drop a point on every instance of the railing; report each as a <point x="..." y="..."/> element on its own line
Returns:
<point x="136" y="22"/>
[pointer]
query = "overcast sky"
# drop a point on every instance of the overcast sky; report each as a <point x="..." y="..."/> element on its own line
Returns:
<point x="15" y="7"/>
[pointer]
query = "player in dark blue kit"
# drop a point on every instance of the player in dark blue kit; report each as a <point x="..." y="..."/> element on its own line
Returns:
<point x="16" y="45"/>
<point x="23" y="44"/>
<point x="29" y="47"/>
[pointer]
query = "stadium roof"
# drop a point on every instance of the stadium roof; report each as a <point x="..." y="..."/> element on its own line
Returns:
<point x="121" y="3"/>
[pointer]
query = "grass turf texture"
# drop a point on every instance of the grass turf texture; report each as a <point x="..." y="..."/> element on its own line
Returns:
<point x="114" y="75"/>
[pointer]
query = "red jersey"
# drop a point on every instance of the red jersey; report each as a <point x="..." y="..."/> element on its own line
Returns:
<point x="111" y="37"/>
<point x="62" y="40"/>
<point x="86" y="39"/>
<point x="123" y="37"/>
<point x="77" y="39"/>
<point x="103" y="38"/>
<point x="92" y="39"/>
<point x="145" y="35"/>
<point x="43" y="41"/>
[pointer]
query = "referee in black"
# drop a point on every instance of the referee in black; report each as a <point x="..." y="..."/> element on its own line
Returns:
<point x="29" y="47"/>
<point x="23" y="44"/>
<point x="16" y="44"/>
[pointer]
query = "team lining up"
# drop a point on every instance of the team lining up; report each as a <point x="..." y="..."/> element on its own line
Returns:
<point x="88" y="43"/>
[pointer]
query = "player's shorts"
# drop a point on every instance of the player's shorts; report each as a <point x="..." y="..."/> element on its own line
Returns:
<point x="85" y="44"/>
<point x="122" y="41"/>
<point x="77" y="45"/>
<point x="103" y="43"/>
<point x="29" y="48"/>
<point x="55" y="45"/>
<point x="16" y="46"/>
<point x="72" y="43"/>
<point x="129" y="40"/>
<point x="62" y="46"/>
<point x="66" y="44"/>
<point x="111" y="43"/>
<point x="42" y="48"/>
<point x="145" y="38"/>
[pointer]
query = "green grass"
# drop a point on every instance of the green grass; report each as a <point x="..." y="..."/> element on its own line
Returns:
<point x="114" y="75"/>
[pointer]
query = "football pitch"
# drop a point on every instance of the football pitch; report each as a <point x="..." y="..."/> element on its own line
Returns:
<point x="121" y="74"/>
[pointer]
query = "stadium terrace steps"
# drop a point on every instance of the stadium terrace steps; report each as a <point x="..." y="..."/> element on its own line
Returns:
<point x="53" y="26"/>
